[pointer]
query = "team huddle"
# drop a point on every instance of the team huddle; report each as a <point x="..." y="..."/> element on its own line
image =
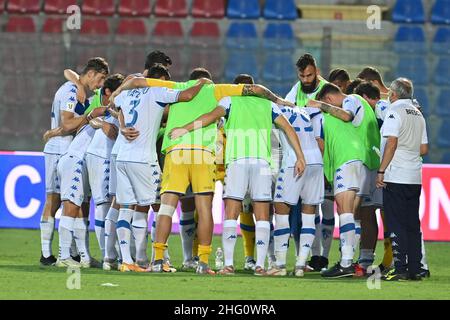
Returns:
<point x="144" y="141"/>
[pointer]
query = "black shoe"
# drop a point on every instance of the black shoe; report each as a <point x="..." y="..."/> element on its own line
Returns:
<point x="314" y="264"/>
<point x="50" y="261"/>
<point x="395" y="276"/>
<point x="424" y="273"/>
<point x="415" y="277"/>
<point x="381" y="267"/>
<point x="338" y="271"/>
<point x="323" y="263"/>
<point x="77" y="258"/>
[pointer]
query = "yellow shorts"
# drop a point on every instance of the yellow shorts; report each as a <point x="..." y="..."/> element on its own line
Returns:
<point x="184" y="167"/>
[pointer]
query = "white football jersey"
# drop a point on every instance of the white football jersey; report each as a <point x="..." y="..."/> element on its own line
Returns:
<point x="65" y="100"/>
<point x="101" y="145"/>
<point x="143" y="109"/>
<point x="301" y="122"/>
<point x="81" y="142"/>
<point x="381" y="109"/>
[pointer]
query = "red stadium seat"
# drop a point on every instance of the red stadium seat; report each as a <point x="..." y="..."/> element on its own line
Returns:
<point x="205" y="34"/>
<point x="53" y="25"/>
<point x="129" y="60"/>
<point x="208" y="9"/>
<point x="98" y="7"/>
<point x="56" y="64"/>
<point x="21" y="24"/>
<point x="168" y="33"/>
<point x="131" y="31"/>
<point x="2" y="6"/>
<point x="171" y="8"/>
<point x="94" y="31"/>
<point x="211" y="60"/>
<point x="23" y="6"/>
<point x="57" y="6"/>
<point x="134" y="8"/>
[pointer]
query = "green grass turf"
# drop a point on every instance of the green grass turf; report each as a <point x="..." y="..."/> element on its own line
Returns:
<point x="21" y="277"/>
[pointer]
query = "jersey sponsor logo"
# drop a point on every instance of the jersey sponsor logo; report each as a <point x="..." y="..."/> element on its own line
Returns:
<point x="70" y="105"/>
<point x="413" y="112"/>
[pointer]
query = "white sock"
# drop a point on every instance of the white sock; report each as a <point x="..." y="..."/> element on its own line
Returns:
<point x="65" y="230"/>
<point x="100" y="215"/>
<point x="347" y="236"/>
<point x="124" y="234"/>
<point x="281" y="238"/>
<point x="229" y="237"/>
<point x="187" y="233"/>
<point x="424" y="256"/>
<point x="357" y="234"/>
<point x="262" y="237"/>
<point x="316" y="246"/>
<point x="153" y="233"/>
<point x="110" y="234"/>
<point x="140" y="232"/>
<point x="327" y="226"/>
<point x="366" y="258"/>
<point x="47" y="226"/>
<point x="307" y="234"/>
<point x="80" y="234"/>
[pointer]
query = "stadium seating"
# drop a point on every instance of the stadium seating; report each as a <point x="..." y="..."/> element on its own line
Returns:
<point x="53" y="25"/>
<point x="23" y="6"/>
<point x="243" y="9"/>
<point x="281" y="10"/>
<point x="420" y="93"/>
<point x="443" y="136"/>
<point x="410" y="39"/>
<point x="205" y="34"/>
<point x="280" y="88"/>
<point x="279" y="36"/>
<point x="442" y="71"/>
<point x="57" y="6"/>
<point x="131" y="31"/>
<point x="20" y="24"/>
<point x="241" y="62"/>
<point x="279" y="67"/>
<point x="172" y="8"/>
<point x="211" y="59"/>
<point x="98" y="7"/>
<point x="51" y="83"/>
<point x="242" y="35"/>
<point x="443" y="103"/>
<point x="208" y="9"/>
<point x="440" y="14"/>
<point x="441" y="41"/>
<point x="129" y="59"/>
<point x="134" y="8"/>
<point x="414" y="68"/>
<point x="446" y="158"/>
<point x="2" y="6"/>
<point x="168" y="33"/>
<point x="94" y="31"/>
<point x="408" y="11"/>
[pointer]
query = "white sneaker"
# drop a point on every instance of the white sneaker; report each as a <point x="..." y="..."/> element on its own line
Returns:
<point x="108" y="266"/>
<point x="92" y="263"/>
<point x="250" y="264"/>
<point x="67" y="263"/>
<point x="190" y="264"/>
<point x="299" y="271"/>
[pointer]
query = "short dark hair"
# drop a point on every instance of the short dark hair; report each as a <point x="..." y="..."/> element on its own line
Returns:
<point x="306" y="60"/>
<point x="244" y="79"/>
<point x="157" y="57"/>
<point x="97" y="64"/>
<point x="198" y="73"/>
<point x="113" y="82"/>
<point x="351" y="87"/>
<point x="370" y="74"/>
<point x="339" y="75"/>
<point x="157" y="71"/>
<point x="327" y="89"/>
<point x="368" y="89"/>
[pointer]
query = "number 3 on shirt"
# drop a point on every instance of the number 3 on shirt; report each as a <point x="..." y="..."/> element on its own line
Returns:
<point x="133" y="104"/>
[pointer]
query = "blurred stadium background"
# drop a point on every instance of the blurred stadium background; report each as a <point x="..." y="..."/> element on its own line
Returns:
<point x="260" y="37"/>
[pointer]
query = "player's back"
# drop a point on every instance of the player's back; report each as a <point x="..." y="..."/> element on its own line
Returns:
<point x="301" y="122"/>
<point x="142" y="111"/>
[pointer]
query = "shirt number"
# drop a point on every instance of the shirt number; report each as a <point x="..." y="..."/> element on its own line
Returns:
<point x="133" y="112"/>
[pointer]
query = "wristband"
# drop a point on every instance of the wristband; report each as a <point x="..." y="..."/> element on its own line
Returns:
<point x="380" y="172"/>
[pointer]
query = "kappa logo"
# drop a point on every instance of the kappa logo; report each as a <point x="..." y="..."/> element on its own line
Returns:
<point x="392" y="235"/>
<point x="279" y="188"/>
<point x="306" y="245"/>
<point x="233" y="236"/>
<point x="340" y="186"/>
<point x="123" y="242"/>
<point x="391" y="116"/>
<point x="72" y="195"/>
<point x="76" y="179"/>
<point x="78" y="171"/>
<point x="394" y="244"/>
<point x="339" y="178"/>
<point x="74" y="187"/>
<point x="285" y="245"/>
<point x="260" y="243"/>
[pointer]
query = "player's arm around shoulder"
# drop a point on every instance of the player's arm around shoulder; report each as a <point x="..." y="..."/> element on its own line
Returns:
<point x="72" y="76"/>
<point x="336" y="112"/>
<point x="263" y="92"/>
<point x="190" y="93"/>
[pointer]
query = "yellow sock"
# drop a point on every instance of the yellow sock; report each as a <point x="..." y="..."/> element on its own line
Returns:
<point x="388" y="255"/>
<point x="248" y="233"/>
<point x="159" y="250"/>
<point x="195" y="245"/>
<point x="203" y="253"/>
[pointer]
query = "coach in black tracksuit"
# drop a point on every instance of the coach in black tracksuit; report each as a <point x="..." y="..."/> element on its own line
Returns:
<point x="404" y="141"/>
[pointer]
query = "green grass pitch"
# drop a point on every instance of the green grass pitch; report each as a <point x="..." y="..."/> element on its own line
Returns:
<point x="21" y="277"/>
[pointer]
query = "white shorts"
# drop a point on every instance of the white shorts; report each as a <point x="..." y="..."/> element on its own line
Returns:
<point x="252" y="175"/>
<point x="372" y="195"/>
<point x="72" y="173"/>
<point x="349" y="177"/>
<point x="138" y="183"/>
<point x="52" y="183"/>
<point x="112" y="175"/>
<point x="98" y="172"/>
<point x="309" y="187"/>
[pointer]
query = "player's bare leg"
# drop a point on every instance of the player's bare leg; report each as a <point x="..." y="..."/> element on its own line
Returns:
<point x="205" y="228"/>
